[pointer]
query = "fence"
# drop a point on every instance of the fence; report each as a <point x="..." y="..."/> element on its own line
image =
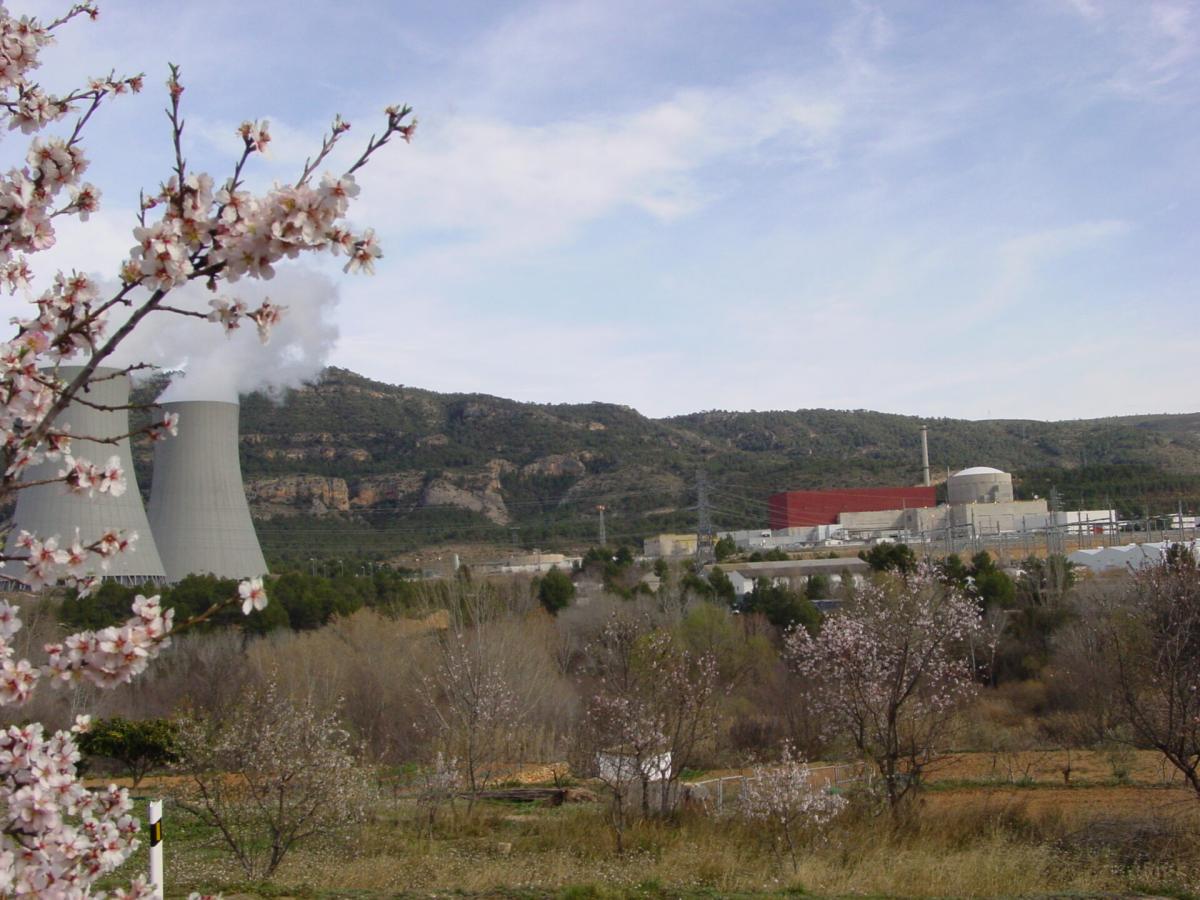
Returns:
<point x="714" y="794"/>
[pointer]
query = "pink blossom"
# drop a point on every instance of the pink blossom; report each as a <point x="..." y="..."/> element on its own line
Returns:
<point x="60" y="837"/>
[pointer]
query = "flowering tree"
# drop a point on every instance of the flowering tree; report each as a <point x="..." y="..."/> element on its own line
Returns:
<point x="889" y="671"/>
<point x="652" y="705"/>
<point x="269" y="774"/>
<point x="438" y="784"/>
<point x="782" y="797"/>
<point x="483" y="685"/>
<point x="57" y="837"/>
<point x="475" y="707"/>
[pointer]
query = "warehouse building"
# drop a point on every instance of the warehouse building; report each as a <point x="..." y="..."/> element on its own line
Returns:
<point x="790" y="509"/>
<point x="667" y="546"/>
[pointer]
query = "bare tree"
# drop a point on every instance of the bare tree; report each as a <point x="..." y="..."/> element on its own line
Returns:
<point x="1149" y="640"/>
<point x="269" y="774"/>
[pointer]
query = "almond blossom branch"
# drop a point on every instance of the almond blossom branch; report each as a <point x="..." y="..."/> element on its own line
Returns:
<point x="86" y="8"/>
<point x="339" y="127"/>
<point x="176" y="91"/>
<point x="395" y="125"/>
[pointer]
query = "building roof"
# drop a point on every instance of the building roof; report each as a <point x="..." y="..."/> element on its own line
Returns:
<point x="794" y="567"/>
<point x="979" y="470"/>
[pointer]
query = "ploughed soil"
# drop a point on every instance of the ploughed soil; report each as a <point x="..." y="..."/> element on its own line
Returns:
<point x="1057" y="767"/>
<point x="1088" y="802"/>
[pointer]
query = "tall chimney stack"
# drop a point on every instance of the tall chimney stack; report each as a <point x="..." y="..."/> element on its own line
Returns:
<point x="925" y="455"/>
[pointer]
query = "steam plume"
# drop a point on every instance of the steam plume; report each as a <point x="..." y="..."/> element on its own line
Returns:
<point x="215" y="366"/>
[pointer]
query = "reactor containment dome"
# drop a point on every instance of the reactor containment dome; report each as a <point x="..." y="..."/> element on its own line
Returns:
<point x="979" y="484"/>
<point x="198" y="506"/>
<point x="50" y="510"/>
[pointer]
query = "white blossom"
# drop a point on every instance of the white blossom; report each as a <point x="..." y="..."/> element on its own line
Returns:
<point x="253" y="595"/>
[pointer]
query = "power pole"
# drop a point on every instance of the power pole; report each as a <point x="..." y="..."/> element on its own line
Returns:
<point x="705" y="551"/>
<point x="1052" y="534"/>
<point x="603" y="534"/>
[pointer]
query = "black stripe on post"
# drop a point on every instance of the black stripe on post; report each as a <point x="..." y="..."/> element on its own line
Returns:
<point x="155" y="833"/>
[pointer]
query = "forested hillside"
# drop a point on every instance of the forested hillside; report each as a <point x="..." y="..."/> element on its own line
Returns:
<point x="350" y="465"/>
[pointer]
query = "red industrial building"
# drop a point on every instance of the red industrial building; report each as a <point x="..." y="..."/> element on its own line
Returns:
<point x="797" y="508"/>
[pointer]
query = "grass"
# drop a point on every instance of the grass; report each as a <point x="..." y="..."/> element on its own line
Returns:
<point x="963" y="843"/>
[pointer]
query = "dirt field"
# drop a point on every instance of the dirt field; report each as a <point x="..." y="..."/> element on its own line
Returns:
<point x="1079" y="802"/>
<point x="1053" y="766"/>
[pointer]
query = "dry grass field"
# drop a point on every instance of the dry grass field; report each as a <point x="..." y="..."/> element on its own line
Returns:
<point x="972" y="836"/>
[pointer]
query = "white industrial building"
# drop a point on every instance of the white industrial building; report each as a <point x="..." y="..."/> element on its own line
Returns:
<point x="980" y="503"/>
<point x="795" y="537"/>
<point x="1129" y="556"/>
<point x="792" y="573"/>
<point x="535" y="563"/>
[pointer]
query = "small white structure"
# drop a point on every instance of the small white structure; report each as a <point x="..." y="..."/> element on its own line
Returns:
<point x="619" y="768"/>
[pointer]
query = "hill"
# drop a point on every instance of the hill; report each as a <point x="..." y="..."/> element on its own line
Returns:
<point x="350" y="465"/>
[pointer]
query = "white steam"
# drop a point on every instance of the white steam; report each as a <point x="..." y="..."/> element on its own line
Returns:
<point x="213" y="365"/>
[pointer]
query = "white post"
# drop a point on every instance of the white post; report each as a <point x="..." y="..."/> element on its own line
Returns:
<point x="156" y="850"/>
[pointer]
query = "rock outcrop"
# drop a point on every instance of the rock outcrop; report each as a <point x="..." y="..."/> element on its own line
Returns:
<point x="555" y="465"/>
<point x="391" y="489"/>
<point x="440" y="492"/>
<point x="292" y="494"/>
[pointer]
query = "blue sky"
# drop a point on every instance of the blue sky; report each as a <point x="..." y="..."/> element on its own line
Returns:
<point x="962" y="209"/>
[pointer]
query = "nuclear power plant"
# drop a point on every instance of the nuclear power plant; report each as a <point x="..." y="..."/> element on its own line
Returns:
<point x="49" y="509"/>
<point x="199" y="521"/>
<point x="979" y="503"/>
<point x="198" y="509"/>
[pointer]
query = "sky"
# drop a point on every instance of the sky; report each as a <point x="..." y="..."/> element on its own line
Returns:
<point x="975" y="210"/>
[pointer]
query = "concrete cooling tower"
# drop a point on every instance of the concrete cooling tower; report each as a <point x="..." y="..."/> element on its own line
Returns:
<point x="49" y="509"/>
<point x="198" y="506"/>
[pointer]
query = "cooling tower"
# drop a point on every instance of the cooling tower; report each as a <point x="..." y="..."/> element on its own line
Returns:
<point x="48" y="509"/>
<point x="198" y="506"/>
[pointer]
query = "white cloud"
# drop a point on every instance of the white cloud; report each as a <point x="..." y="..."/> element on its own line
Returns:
<point x="1151" y="46"/>
<point x="833" y="194"/>
<point x="501" y="187"/>
<point x="1027" y="249"/>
